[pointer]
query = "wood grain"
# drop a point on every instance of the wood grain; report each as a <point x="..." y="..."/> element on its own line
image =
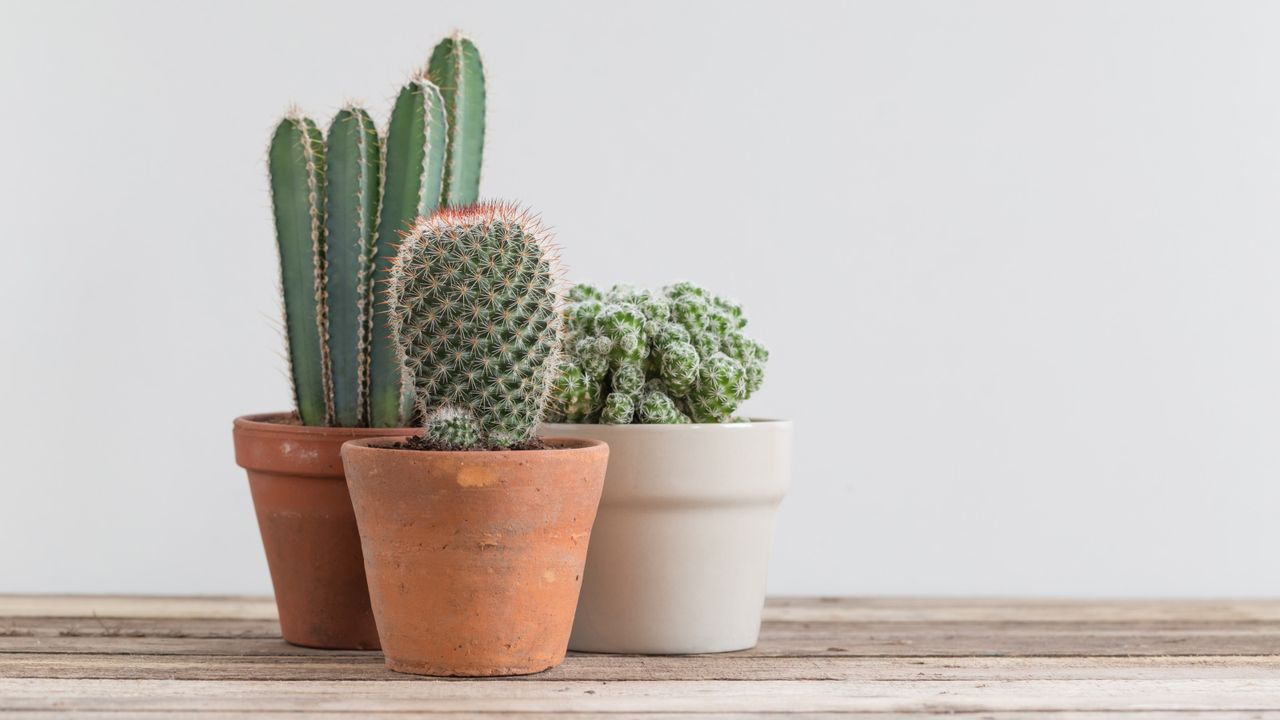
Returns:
<point x="818" y="657"/>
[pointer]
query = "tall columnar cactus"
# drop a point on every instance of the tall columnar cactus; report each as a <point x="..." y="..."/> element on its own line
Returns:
<point x="412" y="178"/>
<point x="456" y="70"/>
<point x="295" y="162"/>
<point x="339" y="223"/>
<point x="354" y="155"/>
<point x="474" y="305"/>
<point x="676" y="356"/>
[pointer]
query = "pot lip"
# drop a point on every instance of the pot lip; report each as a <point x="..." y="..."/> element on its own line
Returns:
<point x="578" y="445"/>
<point x="753" y="422"/>
<point x="269" y="424"/>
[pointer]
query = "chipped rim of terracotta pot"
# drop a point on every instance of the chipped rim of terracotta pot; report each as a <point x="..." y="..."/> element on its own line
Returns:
<point x="280" y="426"/>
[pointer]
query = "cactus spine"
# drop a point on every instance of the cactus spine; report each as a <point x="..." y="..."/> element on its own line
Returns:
<point x="353" y="153"/>
<point x="296" y="166"/>
<point x="474" y="302"/>
<point x="413" y="172"/>
<point x="456" y="70"/>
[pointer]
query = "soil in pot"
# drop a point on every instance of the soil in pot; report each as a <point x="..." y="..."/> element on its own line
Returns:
<point x="308" y="528"/>
<point x="474" y="558"/>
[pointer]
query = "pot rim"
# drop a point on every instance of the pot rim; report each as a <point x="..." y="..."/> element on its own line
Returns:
<point x="268" y="423"/>
<point x="692" y="427"/>
<point x="560" y="445"/>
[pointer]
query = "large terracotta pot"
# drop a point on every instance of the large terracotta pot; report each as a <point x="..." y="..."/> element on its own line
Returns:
<point x="308" y="530"/>
<point x="680" y="552"/>
<point x="474" y="558"/>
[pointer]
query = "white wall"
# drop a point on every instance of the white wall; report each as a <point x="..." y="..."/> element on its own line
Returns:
<point x="1017" y="263"/>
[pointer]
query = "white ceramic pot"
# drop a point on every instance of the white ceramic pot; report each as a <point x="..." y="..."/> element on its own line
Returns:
<point x="679" y="554"/>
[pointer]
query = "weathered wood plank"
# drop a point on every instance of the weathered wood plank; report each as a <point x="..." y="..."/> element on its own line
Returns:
<point x="784" y="609"/>
<point x="918" y="609"/>
<point x="686" y="715"/>
<point x="657" y="696"/>
<point x="511" y="715"/>
<point x="126" y="606"/>
<point x="905" y="639"/>
<point x="645" y="668"/>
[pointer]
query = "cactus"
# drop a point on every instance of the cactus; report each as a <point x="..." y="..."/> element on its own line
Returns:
<point x="456" y="70"/>
<point x="341" y="207"/>
<point x="474" y="307"/>
<point x="295" y="163"/>
<point x="412" y="176"/>
<point x="669" y="357"/>
<point x="452" y="429"/>
<point x="353" y="152"/>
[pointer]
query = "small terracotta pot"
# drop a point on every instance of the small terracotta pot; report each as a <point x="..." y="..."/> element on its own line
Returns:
<point x="475" y="558"/>
<point x="308" y="530"/>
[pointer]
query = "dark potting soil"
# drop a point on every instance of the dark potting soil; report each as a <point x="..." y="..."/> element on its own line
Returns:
<point x="418" y="442"/>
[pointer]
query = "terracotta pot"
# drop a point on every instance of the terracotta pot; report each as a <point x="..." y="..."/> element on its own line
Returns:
<point x="308" y="530"/>
<point x="680" y="552"/>
<point x="475" y="558"/>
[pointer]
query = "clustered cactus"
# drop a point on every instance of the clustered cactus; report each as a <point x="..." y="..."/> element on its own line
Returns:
<point x="474" y="302"/>
<point x="635" y="356"/>
<point x="342" y="202"/>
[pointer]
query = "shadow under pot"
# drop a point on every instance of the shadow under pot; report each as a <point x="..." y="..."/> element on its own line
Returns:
<point x="308" y="528"/>
<point x="680" y="552"/>
<point x="474" y="558"/>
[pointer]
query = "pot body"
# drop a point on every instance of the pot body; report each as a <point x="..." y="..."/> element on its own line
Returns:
<point x="475" y="559"/>
<point x="680" y="552"/>
<point x="308" y="529"/>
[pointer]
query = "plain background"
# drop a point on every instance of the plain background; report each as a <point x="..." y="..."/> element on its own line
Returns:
<point x="1016" y="261"/>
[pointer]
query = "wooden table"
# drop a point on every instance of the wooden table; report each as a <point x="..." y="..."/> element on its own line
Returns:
<point x="135" y="656"/>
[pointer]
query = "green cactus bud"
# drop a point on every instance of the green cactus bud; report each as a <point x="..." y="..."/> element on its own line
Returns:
<point x="624" y="326"/>
<point x="582" y="292"/>
<point x="452" y="429"/>
<point x="584" y="315"/>
<point x="593" y="354"/>
<point x="657" y="408"/>
<point x="670" y="333"/>
<point x="733" y="318"/>
<point x="618" y="409"/>
<point x="628" y="380"/>
<point x="679" y="367"/>
<point x="474" y="308"/>
<point x="751" y="354"/>
<point x="686" y="289"/>
<point x="575" y="394"/>
<point x="721" y="386"/>
<point x="656" y="310"/>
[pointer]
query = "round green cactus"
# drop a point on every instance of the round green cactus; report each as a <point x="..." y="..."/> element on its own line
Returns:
<point x="474" y="306"/>
<point x="619" y="408"/>
<point x="452" y="429"/>
<point x="658" y="408"/>
<point x="577" y="396"/>
<point x="628" y="380"/>
<point x="666" y="357"/>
